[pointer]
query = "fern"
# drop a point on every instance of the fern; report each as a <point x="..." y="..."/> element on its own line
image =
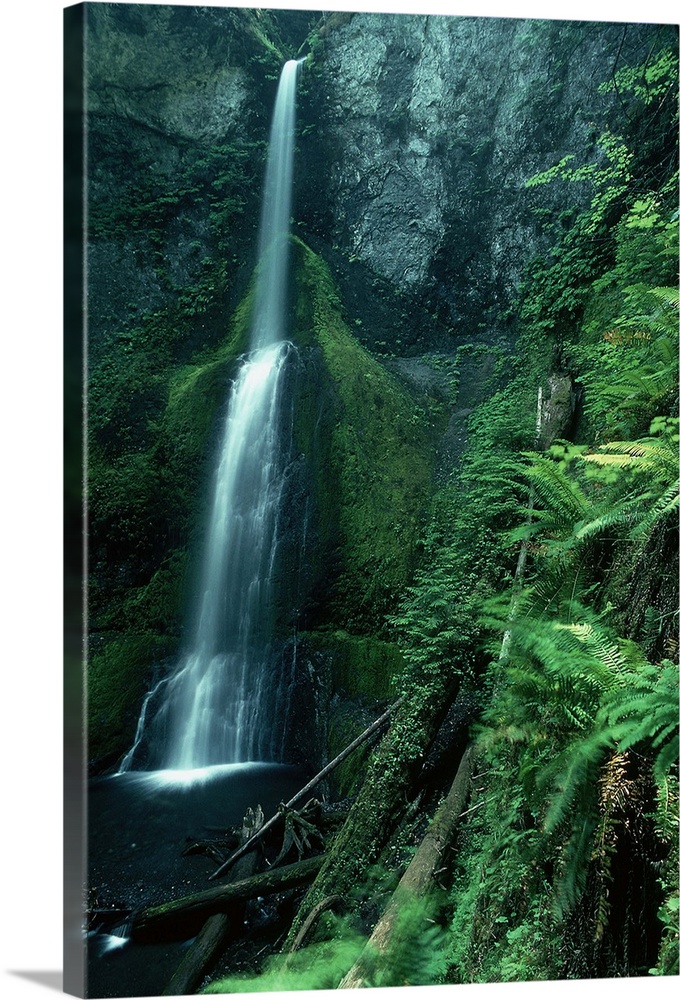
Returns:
<point x="416" y="954"/>
<point x="657" y="458"/>
<point x="661" y="510"/>
<point x="644" y="713"/>
<point x="574" y="686"/>
<point x="572" y="875"/>
<point x="560" y="500"/>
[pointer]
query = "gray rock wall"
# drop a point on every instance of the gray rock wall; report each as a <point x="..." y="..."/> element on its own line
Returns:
<point x="434" y="124"/>
<point x="417" y="137"/>
<point x="171" y="73"/>
<point x="175" y="95"/>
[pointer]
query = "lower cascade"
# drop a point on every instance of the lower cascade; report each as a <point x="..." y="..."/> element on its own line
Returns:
<point x="219" y="705"/>
<point x="226" y="700"/>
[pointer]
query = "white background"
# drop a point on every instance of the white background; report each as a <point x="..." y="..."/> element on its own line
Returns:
<point x="30" y="464"/>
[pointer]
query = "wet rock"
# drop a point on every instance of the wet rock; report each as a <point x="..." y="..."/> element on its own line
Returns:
<point x="556" y="410"/>
<point x="433" y="127"/>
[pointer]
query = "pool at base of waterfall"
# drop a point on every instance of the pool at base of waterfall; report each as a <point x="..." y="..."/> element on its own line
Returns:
<point x="139" y="825"/>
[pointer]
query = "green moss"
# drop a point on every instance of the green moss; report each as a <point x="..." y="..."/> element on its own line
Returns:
<point x="379" y="454"/>
<point x="115" y="688"/>
<point x="195" y="394"/>
<point x="196" y="390"/>
<point x="159" y="604"/>
<point x="363" y="666"/>
<point x="344" y="725"/>
<point x="360" y="672"/>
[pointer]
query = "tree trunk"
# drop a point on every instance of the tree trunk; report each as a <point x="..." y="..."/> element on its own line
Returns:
<point x="202" y="953"/>
<point x="418" y="879"/>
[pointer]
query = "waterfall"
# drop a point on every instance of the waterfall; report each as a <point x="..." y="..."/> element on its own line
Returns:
<point x="221" y="704"/>
<point x="273" y="246"/>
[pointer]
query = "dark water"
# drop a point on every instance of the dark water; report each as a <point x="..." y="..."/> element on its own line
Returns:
<point x="138" y="828"/>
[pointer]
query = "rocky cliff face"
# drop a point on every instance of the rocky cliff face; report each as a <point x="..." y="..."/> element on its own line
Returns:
<point x="178" y="106"/>
<point x="431" y="127"/>
<point x="171" y="74"/>
<point x="417" y="137"/>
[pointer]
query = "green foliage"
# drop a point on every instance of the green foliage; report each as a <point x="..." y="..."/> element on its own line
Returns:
<point x="627" y="359"/>
<point x="631" y="218"/>
<point x="585" y="502"/>
<point x="436" y="624"/>
<point x="215" y="185"/>
<point x="344" y="725"/>
<point x="462" y="555"/>
<point x="559" y="788"/>
<point x="556" y="289"/>
<point x="262" y="26"/>
<point x="572" y="699"/>
<point x="498" y="897"/>
<point x="610" y="180"/>
<point x="416" y="950"/>
<point x="576" y="685"/>
<point x="579" y="743"/>
<point x="643" y="714"/>
<point x="415" y="956"/>
<point x="647" y="82"/>
<point x="319" y="966"/>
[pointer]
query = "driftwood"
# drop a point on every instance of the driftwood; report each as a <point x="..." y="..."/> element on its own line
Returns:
<point x="374" y="727"/>
<point x="418" y="879"/>
<point x="182" y="918"/>
<point x="207" y="847"/>
<point x="205" y="949"/>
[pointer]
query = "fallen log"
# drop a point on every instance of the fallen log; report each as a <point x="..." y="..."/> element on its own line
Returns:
<point x="417" y="881"/>
<point x="182" y="918"/>
<point x="308" y="787"/>
<point x="383" y="799"/>
<point x="205" y="950"/>
<point x="188" y="975"/>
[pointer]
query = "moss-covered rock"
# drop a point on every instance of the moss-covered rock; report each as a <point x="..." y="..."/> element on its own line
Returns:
<point x="346" y="721"/>
<point x="363" y="666"/>
<point x="196" y="391"/>
<point x="362" y="671"/>
<point x="372" y="468"/>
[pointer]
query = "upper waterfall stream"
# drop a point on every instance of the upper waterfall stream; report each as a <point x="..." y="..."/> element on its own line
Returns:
<point x="221" y="704"/>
